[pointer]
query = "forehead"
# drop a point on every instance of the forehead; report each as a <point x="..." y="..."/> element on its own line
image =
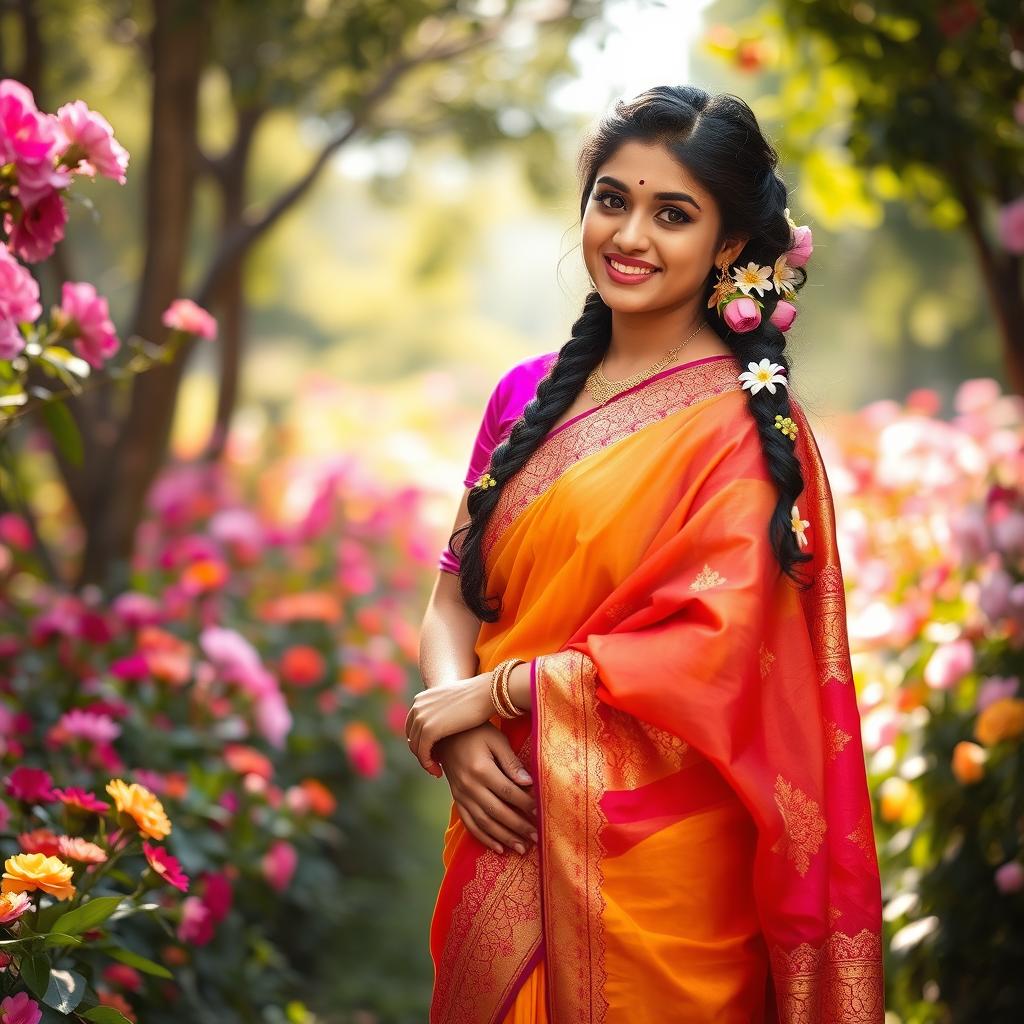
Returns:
<point x="653" y="163"/>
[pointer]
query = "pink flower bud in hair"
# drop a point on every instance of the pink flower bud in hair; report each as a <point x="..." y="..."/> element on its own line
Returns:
<point x="742" y="315"/>
<point x="802" y="247"/>
<point x="783" y="315"/>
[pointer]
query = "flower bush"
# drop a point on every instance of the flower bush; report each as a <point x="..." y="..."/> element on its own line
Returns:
<point x="931" y="523"/>
<point x="191" y="767"/>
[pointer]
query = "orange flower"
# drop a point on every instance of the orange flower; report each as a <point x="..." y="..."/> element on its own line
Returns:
<point x="27" y="871"/>
<point x="39" y="840"/>
<point x="169" y="657"/>
<point x="302" y="665"/>
<point x="77" y="848"/>
<point x="248" y="761"/>
<point x="321" y="800"/>
<point x="314" y="606"/>
<point x="968" y="762"/>
<point x="895" y="794"/>
<point x="1003" y="719"/>
<point x="140" y="804"/>
<point x="204" y="574"/>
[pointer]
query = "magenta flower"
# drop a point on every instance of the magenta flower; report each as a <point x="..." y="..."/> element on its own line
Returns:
<point x="279" y="864"/>
<point x="136" y="609"/>
<point x="217" y="895"/>
<point x="1010" y="877"/>
<point x="948" y="664"/>
<point x="166" y="866"/>
<point x="95" y="337"/>
<point x="72" y="796"/>
<point x="30" y="140"/>
<point x="803" y="245"/>
<point x="34" y="235"/>
<point x="742" y="315"/>
<point x="783" y="315"/>
<point x="77" y="724"/>
<point x="196" y="926"/>
<point x="32" y="785"/>
<point x="89" y="143"/>
<point x="20" y="1008"/>
<point x="19" y="303"/>
<point x="123" y="976"/>
<point x="184" y="315"/>
<point x="1011" y="226"/>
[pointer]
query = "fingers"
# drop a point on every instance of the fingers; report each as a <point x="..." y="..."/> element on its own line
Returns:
<point x="489" y="831"/>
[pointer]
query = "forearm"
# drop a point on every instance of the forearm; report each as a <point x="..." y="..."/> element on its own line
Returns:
<point x="519" y="686"/>
<point x="447" y="644"/>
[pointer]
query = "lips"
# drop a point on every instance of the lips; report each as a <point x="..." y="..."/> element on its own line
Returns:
<point x="629" y="261"/>
<point x="629" y="277"/>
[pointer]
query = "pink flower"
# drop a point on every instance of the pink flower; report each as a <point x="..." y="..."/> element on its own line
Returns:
<point x="11" y="340"/>
<point x="166" y="866"/>
<point x="95" y="337"/>
<point x="77" y="848"/>
<point x="14" y="530"/>
<point x="37" y="231"/>
<point x="33" y="785"/>
<point x="1008" y="533"/>
<point x="803" y="245"/>
<point x="217" y="895"/>
<point x="996" y="688"/>
<point x="742" y="315"/>
<point x="123" y="976"/>
<point x="20" y="1008"/>
<point x="363" y="749"/>
<point x="994" y="595"/>
<point x="196" y="925"/>
<point x="13" y="905"/>
<point x="948" y="664"/>
<point x="136" y="609"/>
<point x="89" y="142"/>
<point x="29" y="139"/>
<point x="1010" y="877"/>
<point x="185" y="315"/>
<point x="279" y="864"/>
<point x="1011" y="226"/>
<point x="783" y="315"/>
<point x="75" y="797"/>
<point x="19" y="296"/>
<point x="77" y="724"/>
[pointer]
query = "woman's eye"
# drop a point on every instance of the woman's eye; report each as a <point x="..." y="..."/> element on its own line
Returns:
<point x="681" y="217"/>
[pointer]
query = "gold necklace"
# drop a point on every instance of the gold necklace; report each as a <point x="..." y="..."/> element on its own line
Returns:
<point x="601" y="389"/>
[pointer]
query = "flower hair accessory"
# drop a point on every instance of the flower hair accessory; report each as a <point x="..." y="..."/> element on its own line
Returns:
<point x="486" y="481"/>
<point x="798" y="526"/>
<point x="764" y="374"/>
<point x="786" y="425"/>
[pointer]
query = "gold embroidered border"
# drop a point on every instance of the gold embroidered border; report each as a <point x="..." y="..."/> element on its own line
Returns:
<point x="495" y="930"/>
<point x="840" y="982"/>
<point x="618" y="419"/>
<point x="571" y="767"/>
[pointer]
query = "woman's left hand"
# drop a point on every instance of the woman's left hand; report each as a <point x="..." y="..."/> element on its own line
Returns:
<point x="444" y="709"/>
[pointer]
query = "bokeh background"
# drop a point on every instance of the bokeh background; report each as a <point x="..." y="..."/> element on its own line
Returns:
<point x="215" y="554"/>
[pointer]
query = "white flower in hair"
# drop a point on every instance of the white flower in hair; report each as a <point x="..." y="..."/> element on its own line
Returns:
<point x="764" y="374"/>
<point x="798" y="526"/>
<point x="753" y="277"/>
<point x="784" y="279"/>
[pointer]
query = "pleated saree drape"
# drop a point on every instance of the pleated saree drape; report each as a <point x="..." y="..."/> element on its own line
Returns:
<point x="706" y="846"/>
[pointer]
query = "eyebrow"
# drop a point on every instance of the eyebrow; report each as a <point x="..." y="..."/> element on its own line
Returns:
<point x="681" y="196"/>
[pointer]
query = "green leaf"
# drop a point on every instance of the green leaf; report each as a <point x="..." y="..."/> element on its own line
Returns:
<point x="64" y="430"/>
<point x="35" y="972"/>
<point x="60" y="939"/>
<point x="87" y="916"/>
<point x="126" y="956"/>
<point x="105" y="1015"/>
<point x="65" y="990"/>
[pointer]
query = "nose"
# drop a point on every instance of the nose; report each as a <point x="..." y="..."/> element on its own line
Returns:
<point x="630" y="235"/>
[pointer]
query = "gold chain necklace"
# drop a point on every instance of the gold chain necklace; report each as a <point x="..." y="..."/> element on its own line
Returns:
<point x="601" y="389"/>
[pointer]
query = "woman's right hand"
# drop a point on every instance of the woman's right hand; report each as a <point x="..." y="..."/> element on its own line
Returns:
<point x="489" y="787"/>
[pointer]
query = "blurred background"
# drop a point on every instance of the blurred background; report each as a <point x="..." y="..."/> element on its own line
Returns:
<point x="221" y="548"/>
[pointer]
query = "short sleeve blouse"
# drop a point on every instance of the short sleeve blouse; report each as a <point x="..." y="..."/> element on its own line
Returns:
<point x="510" y="396"/>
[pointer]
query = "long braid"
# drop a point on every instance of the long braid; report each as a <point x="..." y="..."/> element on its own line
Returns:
<point x="589" y="341"/>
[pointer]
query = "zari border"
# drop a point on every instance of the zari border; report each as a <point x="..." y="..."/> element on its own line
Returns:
<point x="570" y="774"/>
<point x="493" y="939"/>
<point x="618" y="419"/>
<point x="839" y="982"/>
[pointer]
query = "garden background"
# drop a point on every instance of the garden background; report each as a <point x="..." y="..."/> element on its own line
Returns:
<point x="218" y="536"/>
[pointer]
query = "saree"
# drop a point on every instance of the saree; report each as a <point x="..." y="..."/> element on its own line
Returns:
<point x="706" y="848"/>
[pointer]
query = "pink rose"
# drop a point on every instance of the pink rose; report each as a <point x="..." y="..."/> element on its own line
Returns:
<point x="37" y="231"/>
<point x="1011" y="226"/>
<point x="783" y="315"/>
<point x="279" y="864"/>
<point x="11" y="340"/>
<point x="803" y="245"/>
<point x="19" y="292"/>
<point x="29" y="139"/>
<point x="1010" y="877"/>
<point x="95" y="336"/>
<point x="948" y="664"/>
<point x="20" y="1008"/>
<point x="89" y="142"/>
<point x="185" y="315"/>
<point x="742" y="315"/>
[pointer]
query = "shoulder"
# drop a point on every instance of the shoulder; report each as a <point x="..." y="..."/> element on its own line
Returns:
<point x="518" y="385"/>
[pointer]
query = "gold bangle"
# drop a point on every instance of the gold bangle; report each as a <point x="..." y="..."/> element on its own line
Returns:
<point x="502" y="704"/>
<point x="505" y="695"/>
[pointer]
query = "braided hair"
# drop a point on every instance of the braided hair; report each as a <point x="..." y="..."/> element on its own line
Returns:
<point x="718" y="140"/>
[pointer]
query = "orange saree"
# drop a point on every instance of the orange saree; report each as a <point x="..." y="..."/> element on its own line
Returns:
<point x="706" y="848"/>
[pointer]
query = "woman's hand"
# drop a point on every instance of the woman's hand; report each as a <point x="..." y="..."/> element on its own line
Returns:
<point x="489" y="787"/>
<point x="445" y="709"/>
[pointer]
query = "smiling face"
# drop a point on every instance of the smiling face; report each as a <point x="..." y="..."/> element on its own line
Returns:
<point x="644" y="206"/>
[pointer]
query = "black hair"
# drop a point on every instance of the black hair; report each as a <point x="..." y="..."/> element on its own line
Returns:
<point x="719" y="142"/>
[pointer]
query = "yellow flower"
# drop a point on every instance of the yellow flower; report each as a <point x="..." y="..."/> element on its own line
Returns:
<point x="139" y="803"/>
<point x="799" y="525"/>
<point x="786" y="425"/>
<point x="1003" y="719"/>
<point x="486" y="481"/>
<point x="27" y="871"/>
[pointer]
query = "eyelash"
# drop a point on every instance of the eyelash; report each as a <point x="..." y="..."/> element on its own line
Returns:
<point x="600" y="196"/>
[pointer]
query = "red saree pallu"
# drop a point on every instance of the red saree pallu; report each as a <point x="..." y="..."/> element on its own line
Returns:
<point x="706" y="846"/>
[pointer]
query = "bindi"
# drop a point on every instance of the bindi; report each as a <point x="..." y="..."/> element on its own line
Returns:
<point x="641" y="181"/>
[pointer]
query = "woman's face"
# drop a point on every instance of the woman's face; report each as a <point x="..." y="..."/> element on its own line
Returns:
<point x="627" y="215"/>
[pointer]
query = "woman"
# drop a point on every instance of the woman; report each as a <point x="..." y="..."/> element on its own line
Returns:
<point x="648" y="616"/>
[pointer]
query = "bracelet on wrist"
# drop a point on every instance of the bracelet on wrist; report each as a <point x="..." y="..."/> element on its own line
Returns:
<point x="500" y="697"/>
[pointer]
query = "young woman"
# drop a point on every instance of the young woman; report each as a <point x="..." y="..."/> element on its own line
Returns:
<point x="638" y="676"/>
